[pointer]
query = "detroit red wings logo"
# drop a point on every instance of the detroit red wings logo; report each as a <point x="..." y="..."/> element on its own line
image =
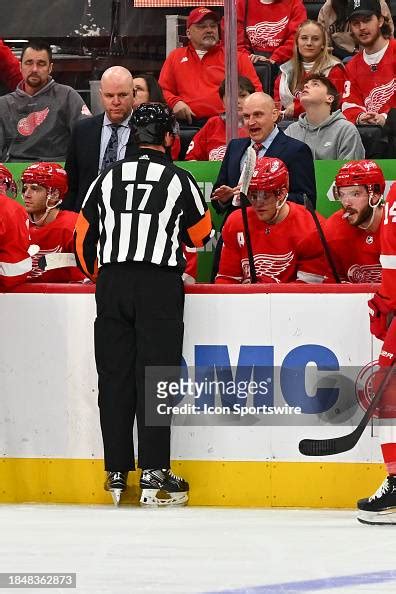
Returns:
<point x="36" y="271"/>
<point x="365" y="273"/>
<point x="268" y="265"/>
<point x="266" y="34"/>
<point x="217" y="154"/>
<point x="379" y="96"/>
<point x="26" y="126"/>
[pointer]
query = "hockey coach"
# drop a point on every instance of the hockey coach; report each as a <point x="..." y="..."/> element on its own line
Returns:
<point x="128" y="239"/>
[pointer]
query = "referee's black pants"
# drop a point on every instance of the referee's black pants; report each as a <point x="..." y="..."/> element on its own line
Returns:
<point x="139" y="323"/>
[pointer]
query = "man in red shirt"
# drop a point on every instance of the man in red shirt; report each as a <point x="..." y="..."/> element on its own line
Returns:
<point x="370" y="88"/>
<point x="353" y="233"/>
<point x="283" y="234"/>
<point x="44" y="186"/>
<point x="191" y="75"/>
<point x="15" y="261"/>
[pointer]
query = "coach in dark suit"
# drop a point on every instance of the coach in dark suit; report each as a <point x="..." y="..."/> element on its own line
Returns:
<point x="260" y="117"/>
<point x="89" y="147"/>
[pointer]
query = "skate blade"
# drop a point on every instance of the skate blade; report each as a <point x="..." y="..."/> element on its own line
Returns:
<point x="116" y="496"/>
<point x="155" y="498"/>
<point x="383" y="518"/>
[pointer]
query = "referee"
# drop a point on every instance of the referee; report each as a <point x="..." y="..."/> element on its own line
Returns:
<point x="128" y="238"/>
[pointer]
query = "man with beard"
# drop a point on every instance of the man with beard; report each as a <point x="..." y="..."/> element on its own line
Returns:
<point x="191" y="75"/>
<point x="37" y="118"/>
<point x="353" y="232"/>
<point x="370" y="86"/>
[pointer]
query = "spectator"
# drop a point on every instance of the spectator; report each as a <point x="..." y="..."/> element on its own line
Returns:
<point x="283" y="234"/>
<point x="92" y="138"/>
<point x="15" y="261"/>
<point x="44" y="185"/>
<point x="209" y="143"/>
<point x="323" y="128"/>
<point x="36" y="120"/>
<point x="147" y="90"/>
<point x="370" y="86"/>
<point x="266" y="29"/>
<point x="310" y="56"/>
<point x="191" y="76"/>
<point x="334" y="17"/>
<point x="353" y="233"/>
<point x="10" y="70"/>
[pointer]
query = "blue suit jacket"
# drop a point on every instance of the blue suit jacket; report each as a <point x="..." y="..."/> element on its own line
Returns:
<point x="296" y="155"/>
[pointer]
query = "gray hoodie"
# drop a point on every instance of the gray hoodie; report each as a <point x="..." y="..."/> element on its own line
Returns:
<point x="334" y="138"/>
<point x="38" y="127"/>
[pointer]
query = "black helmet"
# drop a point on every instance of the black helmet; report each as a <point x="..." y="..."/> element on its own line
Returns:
<point x="151" y="121"/>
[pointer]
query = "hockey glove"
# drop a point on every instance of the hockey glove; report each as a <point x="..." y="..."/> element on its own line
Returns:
<point x="378" y="314"/>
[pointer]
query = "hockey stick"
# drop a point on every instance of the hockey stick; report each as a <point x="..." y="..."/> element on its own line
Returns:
<point x="309" y="206"/>
<point x="244" y="180"/>
<point x="336" y="445"/>
<point x="56" y="260"/>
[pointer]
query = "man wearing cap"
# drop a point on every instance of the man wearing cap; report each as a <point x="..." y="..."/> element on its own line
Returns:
<point x="191" y="75"/>
<point x="370" y="89"/>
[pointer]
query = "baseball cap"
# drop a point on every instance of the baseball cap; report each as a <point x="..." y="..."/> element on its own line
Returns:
<point x="200" y="13"/>
<point x="363" y="7"/>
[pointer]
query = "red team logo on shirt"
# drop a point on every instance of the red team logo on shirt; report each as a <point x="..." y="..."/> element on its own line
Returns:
<point x="266" y="33"/>
<point x="268" y="265"/>
<point x="365" y="273"/>
<point x="379" y="96"/>
<point x="26" y="126"/>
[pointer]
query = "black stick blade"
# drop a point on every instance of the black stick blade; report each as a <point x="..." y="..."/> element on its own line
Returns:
<point x="326" y="447"/>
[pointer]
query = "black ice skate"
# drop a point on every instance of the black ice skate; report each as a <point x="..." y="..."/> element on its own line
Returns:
<point x="116" y="483"/>
<point x="162" y="487"/>
<point x="380" y="508"/>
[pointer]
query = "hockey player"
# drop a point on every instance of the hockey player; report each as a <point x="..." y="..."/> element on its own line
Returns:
<point x="380" y="508"/>
<point x="15" y="261"/>
<point x="370" y="90"/>
<point x="43" y="187"/>
<point x="353" y="233"/>
<point x="283" y="234"/>
<point x="135" y="218"/>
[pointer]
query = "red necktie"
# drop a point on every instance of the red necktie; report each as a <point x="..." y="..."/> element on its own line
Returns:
<point x="257" y="147"/>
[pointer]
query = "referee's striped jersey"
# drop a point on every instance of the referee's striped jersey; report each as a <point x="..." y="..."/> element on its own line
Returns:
<point x="141" y="210"/>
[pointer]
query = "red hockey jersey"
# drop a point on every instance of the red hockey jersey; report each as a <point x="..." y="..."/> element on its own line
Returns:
<point x="367" y="89"/>
<point x="209" y="143"/>
<point x="57" y="236"/>
<point x="356" y="252"/>
<point x="15" y="262"/>
<point x="269" y="27"/>
<point x="388" y="249"/>
<point x="285" y="252"/>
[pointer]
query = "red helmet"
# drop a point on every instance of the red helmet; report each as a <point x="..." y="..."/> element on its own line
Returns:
<point x="48" y="175"/>
<point x="7" y="181"/>
<point x="269" y="174"/>
<point x="361" y="173"/>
